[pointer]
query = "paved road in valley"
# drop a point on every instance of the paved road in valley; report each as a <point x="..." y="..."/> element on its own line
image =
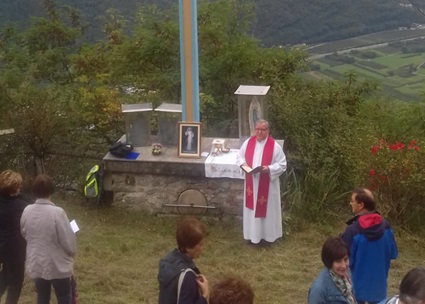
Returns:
<point x="360" y="48"/>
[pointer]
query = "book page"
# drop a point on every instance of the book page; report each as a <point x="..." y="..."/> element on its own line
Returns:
<point x="74" y="226"/>
<point x="256" y="170"/>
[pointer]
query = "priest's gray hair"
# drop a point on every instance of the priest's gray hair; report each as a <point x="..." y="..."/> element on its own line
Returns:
<point x="263" y="122"/>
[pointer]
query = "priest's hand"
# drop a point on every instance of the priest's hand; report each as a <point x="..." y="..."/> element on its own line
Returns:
<point x="265" y="170"/>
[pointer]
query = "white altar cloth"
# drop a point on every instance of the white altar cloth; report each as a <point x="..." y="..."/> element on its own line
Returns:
<point x="223" y="165"/>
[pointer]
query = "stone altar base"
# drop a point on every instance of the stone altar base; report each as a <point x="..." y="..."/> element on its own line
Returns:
<point x="167" y="184"/>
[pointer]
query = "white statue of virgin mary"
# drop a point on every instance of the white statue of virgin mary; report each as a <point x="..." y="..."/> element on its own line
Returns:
<point x="255" y="114"/>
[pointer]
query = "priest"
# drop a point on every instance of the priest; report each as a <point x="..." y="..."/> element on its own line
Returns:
<point x="262" y="211"/>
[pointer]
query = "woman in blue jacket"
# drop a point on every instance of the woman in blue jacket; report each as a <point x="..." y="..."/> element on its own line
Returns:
<point x="333" y="284"/>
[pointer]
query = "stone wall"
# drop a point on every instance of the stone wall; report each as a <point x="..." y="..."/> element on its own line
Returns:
<point x="153" y="192"/>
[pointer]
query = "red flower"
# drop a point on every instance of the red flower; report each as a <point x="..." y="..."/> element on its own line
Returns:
<point x="383" y="177"/>
<point x="397" y="146"/>
<point x="372" y="172"/>
<point x="412" y="145"/>
<point x="375" y="149"/>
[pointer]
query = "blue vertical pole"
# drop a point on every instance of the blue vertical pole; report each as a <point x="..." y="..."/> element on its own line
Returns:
<point x="189" y="60"/>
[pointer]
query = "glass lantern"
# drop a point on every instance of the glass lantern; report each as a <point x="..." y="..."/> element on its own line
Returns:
<point x="169" y="114"/>
<point x="252" y="106"/>
<point x="137" y="123"/>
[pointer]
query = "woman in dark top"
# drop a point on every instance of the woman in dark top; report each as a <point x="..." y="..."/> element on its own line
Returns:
<point x="193" y="286"/>
<point x="12" y="244"/>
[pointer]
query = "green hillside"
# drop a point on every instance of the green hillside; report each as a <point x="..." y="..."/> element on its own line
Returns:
<point x="277" y="22"/>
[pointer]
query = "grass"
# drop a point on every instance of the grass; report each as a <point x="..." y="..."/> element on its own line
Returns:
<point x="119" y="251"/>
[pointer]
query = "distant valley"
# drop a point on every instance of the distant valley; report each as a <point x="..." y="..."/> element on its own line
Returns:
<point x="396" y="59"/>
<point x="276" y="22"/>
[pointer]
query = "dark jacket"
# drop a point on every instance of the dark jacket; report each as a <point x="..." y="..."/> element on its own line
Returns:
<point x="324" y="291"/>
<point x="12" y="244"/>
<point x="168" y="275"/>
<point x="372" y="247"/>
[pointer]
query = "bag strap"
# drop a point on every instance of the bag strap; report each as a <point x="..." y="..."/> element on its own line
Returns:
<point x="180" y="282"/>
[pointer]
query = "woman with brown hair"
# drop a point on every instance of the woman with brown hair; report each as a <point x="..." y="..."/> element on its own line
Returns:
<point x="232" y="290"/>
<point x="333" y="284"/>
<point x="12" y="244"/>
<point x="180" y="281"/>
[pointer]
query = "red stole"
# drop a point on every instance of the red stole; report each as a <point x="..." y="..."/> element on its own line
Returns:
<point x="264" y="182"/>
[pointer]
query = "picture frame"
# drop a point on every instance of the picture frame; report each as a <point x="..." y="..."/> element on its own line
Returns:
<point x="189" y="139"/>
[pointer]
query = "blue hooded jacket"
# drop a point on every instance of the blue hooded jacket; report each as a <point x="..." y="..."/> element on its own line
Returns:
<point x="372" y="247"/>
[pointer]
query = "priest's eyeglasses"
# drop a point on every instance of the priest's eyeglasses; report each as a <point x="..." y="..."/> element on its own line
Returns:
<point x="261" y="129"/>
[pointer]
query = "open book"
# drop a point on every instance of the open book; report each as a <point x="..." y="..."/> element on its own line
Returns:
<point x="248" y="170"/>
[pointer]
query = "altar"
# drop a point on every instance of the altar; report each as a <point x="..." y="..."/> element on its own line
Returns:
<point x="168" y="184"/>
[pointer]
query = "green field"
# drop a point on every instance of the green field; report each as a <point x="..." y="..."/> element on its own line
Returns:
<point x="119" y="250"/>
<point x="399" y="69"/>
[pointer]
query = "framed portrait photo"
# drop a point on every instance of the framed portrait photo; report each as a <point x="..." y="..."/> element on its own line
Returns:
<point x="189" y="139"/>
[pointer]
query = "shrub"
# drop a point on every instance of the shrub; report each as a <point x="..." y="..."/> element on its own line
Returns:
<point x="311" y="196"/>
<point x="319" y="124"/>
<point x="397" y="175"/>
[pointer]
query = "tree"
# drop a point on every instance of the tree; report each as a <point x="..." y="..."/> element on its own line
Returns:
<point x="36" y="83"/>
<point x="230" y="56"/>
<point x="319" y="123"/>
